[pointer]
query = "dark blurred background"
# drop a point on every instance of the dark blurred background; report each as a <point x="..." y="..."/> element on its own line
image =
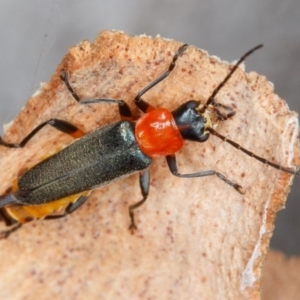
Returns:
<point x="36" y="34"/>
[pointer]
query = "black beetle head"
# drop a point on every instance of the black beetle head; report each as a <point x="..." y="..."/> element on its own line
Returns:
<point x="192" y="124"/>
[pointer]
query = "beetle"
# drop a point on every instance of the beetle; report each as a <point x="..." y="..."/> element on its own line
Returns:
<point x="65" y="179"/>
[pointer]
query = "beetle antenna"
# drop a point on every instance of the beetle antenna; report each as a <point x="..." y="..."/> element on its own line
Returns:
<point x="261" y="159"/>
<point x="218" y="88"/>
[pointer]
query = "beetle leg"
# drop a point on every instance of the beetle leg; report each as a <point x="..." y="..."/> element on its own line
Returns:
<point x="144" y="184"/>
<point x="172" y="164"/>
<point x="124" y="109"/>
<point x="60" y="125"/>
<point x="8" y="222"/>
<point x="6" y="233"/>
<point x="6" y="219"/>
<point x="221" y="116"/>
<point x="64" y="76"/>
<point x="143" y="105"/>
<point x="226" y="107"/>
<point x="69" y="209"/>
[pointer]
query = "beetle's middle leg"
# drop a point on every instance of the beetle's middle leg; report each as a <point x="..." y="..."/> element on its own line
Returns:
<point x="124" y="109"/>
<point x="144" y="184"/>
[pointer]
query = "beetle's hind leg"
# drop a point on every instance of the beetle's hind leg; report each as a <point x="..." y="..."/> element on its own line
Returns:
<point x="6" y="233"/>
<point x="60" y="125"/>
<point x="69" y="209"/>
<point x="8" y="222"/>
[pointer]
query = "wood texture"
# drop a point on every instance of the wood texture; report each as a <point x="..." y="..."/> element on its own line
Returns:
<point x="198" y="238"/>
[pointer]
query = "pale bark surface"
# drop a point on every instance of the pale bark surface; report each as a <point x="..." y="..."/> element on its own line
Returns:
<point x="197" y="238"/>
